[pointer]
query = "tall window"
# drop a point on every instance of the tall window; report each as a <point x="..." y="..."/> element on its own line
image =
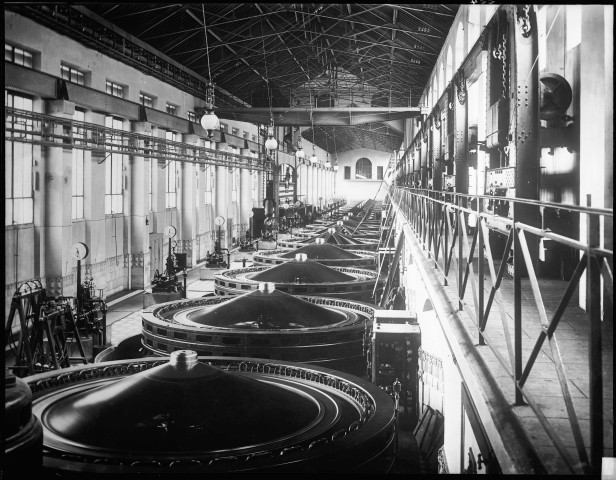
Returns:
<point x="150" y="173"/>
<point x="114" y="165"/>
<point x="379" y="173"/>
<point x="78" y="162"/>
<point x="347" y="173"/>
<point x="192" y="117"/>
<point x="171" y="109"/>
<point x="114" y="89"/>
<point x="72" y="74"/>
<point x="235" y="178"/>
<point x="19" y="205"/>
<point x="18" y="56"/>
<point x="197" y="184"/>
<point x="255" y="187"/>
<point x="171" y="174"/>
<point x="363" y="169"/>
<point x="146" y="100"/>
<point x="209" y="183"/>
<point x="235" y="131"/>
<point x="223" y="127"/>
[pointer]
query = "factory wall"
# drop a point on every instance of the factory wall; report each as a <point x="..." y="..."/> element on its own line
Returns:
<point x="356" y="189"/>
<point x="575" y="49"/>
<point x="126" y="245"/>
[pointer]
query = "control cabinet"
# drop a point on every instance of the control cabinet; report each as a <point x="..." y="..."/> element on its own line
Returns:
<point x="394" y="344"/>
<point x="449" y="182"/>
<point x="500" y="183"/>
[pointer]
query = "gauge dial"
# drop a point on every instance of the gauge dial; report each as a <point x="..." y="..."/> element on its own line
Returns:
<point x="79" y="251"/>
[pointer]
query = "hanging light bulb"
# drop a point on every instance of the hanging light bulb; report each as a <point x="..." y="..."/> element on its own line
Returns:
<point x="299" y="153"/>
<point x="327" y="162"/>
<point x="335" y="164"/>
<point x="271" y="143"/>
<point x="314" y="158"/>
<point x="209" y="120"/>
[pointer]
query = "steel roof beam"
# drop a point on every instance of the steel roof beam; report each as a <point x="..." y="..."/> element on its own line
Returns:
<point x="228" y="47"/>
<point x="303" y="116"/>
<point x="282" y="41"/>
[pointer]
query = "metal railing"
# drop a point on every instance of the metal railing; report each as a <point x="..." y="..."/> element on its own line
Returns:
<point x="452" y="235"/>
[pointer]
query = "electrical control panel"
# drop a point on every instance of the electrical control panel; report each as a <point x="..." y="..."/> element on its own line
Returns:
<point x="449" y="183"/>
<point x="500" y="182"/>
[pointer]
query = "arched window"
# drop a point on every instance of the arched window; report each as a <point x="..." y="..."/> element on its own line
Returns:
<point x="460" y="52"/>
<point x="363" y="169"/>
<point x="449" y="65"/>
<point x="474" y="27"/>
<point x="441" y="80"/>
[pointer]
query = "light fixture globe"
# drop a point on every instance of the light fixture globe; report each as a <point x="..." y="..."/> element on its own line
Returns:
<point x="300" y="153"/>
<point x="271" y="143"/>
<point x="314" y="158"/>
<point x="209" y="121"/>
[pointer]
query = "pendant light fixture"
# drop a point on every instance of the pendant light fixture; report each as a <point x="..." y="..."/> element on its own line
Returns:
<point x="335" y="167"/>
<point x="299" y="154"/>
<point x="271" y="143"/>
<point x="209" y="121"/>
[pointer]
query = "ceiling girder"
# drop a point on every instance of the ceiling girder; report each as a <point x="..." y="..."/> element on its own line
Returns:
<point x="302" y="116"/>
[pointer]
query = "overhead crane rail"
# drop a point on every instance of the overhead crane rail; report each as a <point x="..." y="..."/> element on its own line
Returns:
<point x="40" y="129"/>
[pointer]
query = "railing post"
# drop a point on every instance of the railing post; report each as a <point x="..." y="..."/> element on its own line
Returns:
<point x="446" y="241"/>
<point x="480" y="261"/>
<point x="518" y="268"/>
<point x="460" y="224"/>
<point x="593" y="313"/>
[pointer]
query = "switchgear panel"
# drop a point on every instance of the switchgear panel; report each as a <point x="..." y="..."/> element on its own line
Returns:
<point x="449" y="182"/>
<point x="393" y="355"/>
<point x="500" y="182"/>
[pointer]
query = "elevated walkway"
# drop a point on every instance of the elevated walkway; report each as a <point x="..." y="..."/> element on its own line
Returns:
<point x="535" y="372"/>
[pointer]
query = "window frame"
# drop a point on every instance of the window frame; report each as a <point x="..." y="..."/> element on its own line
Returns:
<point x="361" y="171"/>
<point x="78" y="177"/>
<point x="347" y="172"/>
<point x="114" y="168"/>
<point x="142" y="99"/>
<point x="111" y="88"/>
<point x="72" y="69"/>
<point x="26" y="54"/>
<point x="171" y="109"/>
<point x="171" y="174"/>
<point x="19" y="191"/>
